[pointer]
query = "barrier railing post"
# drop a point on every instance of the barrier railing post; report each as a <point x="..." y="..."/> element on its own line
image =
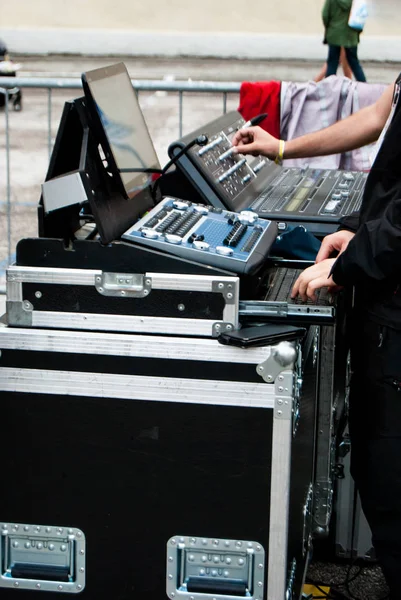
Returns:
<point x="180" y="112"/>
<point x="49" y="119"/>
<point x="8" y="175"/>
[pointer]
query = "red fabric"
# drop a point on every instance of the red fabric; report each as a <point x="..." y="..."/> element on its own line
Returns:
<point x="256" y="97"/>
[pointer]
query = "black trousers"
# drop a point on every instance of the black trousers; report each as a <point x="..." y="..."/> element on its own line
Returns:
<point x="333" y="59"/>
<point x="375" y="430"/>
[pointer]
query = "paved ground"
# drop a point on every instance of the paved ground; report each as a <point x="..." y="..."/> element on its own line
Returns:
<point x="207" y="69"/>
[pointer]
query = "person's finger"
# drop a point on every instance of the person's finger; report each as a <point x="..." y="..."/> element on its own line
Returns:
<point x="243" y="136"/>
<point x="295" y="288"/>
<point x="325" y="250"/>
<point x="343" y="247"/>
<point x="314" y="285"/>
<point x="303" y="282"/>
<point x="250" y="148"/>
<point x="299" y="287"/>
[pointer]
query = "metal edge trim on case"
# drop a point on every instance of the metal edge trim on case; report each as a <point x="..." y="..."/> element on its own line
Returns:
<point x="326" y="445"/>
<point x="31" y="536"/>
<point x="135" y="387"/>
<point x="160" y="281"/>
<point x="14" y="290"/>
<point x="279" y="508"/>
<point x="196" y="283"/>
<point x="54" y="275"/>
<point x="228" y="287"/>
<point x="132" y="324"/>
<point x="115" y="344"/>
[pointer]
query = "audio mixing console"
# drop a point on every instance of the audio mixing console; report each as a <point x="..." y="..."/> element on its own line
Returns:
<point x="238" y="242"/>
<point x="317" y="198"/>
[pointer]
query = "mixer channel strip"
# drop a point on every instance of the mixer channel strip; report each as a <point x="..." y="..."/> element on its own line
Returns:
<point x="178" y="223"/>
<point x="252" y="240"/>
<point x="237" y="232"/>
<point x="158" y="217"/>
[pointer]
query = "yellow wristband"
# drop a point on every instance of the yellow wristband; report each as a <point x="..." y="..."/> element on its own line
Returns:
<point x="281" y="147"/>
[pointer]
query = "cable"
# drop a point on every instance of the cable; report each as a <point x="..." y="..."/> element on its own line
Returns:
<point x="325" y="594"/>
<point x="335" y="593"/>
<point x="349" y="579"/>
<point x="201" y="140"/>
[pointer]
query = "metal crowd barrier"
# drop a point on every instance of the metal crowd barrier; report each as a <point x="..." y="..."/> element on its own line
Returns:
<point x="8" y="83"/>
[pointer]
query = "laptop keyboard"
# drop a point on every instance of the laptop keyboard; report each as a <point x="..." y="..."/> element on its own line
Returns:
<point x="280" y="284"/>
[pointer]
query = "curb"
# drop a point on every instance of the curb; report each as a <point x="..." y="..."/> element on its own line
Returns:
<point x="92" y="42"/>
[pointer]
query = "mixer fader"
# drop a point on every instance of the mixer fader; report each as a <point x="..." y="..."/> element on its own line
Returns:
<point x="317" y="198"/>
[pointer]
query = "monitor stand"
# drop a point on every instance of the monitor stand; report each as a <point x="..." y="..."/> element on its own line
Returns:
<point x="79" y="185"/>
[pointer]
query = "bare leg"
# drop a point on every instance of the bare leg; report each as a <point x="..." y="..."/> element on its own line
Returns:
<point x="344" y="64"/>
<point x="322" y="73"/>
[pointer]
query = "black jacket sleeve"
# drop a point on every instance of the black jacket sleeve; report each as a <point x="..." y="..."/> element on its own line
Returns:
<point x="349" y="222"/>
<point x="374" y="254"/>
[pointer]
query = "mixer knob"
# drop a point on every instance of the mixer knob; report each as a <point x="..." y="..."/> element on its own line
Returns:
<point x="336" y="196"/>
<point x="201" y="209"/>
<point x="180" y="204"/>
<point x="348" y="176"/>
<point x="331" y="206"/>
<point x="152" y="234"/>
<point x="344" y="193"/>
<point x="247" y="216"/>
<point x="199" y="245"/>
<point x="343" y="185"/>
<point x="172" y="238"/>
<point x="224" y="251"/>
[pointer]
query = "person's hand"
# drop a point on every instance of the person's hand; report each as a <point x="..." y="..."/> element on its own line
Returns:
<point x="255" y="141"/>
<point x="335" y="242"/>
<point x="314" y="278"/>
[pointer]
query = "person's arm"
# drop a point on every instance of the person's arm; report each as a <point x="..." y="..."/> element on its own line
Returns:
<point x="373" y="256"/>
<point x="359" y="129"/>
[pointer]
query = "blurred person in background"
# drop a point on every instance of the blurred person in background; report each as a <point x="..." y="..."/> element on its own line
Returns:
<point x="339" y="34"/>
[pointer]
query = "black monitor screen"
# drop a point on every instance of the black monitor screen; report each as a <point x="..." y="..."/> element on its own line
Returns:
<point x="127" y="141"/>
